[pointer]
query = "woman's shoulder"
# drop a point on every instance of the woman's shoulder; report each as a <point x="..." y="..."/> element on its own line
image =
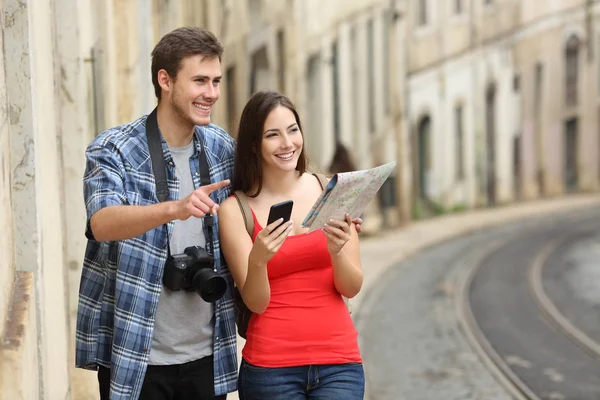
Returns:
<point x="316" y="177"/>
<point x="230" y="206"/>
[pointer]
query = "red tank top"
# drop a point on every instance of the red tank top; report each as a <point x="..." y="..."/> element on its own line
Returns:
<point x="306" y="321"/>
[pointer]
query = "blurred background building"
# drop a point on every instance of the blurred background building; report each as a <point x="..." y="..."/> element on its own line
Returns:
<point x="481" y="102"/>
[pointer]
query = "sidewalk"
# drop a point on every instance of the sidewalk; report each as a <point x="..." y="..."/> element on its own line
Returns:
<point x="379" y="253"/>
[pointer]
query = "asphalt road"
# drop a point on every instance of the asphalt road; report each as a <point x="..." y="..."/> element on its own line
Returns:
<point x="571" y="279"/>
<point x="411" y="337"/>
<point x="545" y="359"/>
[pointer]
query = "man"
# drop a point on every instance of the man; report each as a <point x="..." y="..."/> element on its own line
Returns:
<point x="147" y="341"/>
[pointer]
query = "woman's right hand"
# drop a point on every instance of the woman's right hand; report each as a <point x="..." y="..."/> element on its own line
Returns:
<point x="269" y="241"/>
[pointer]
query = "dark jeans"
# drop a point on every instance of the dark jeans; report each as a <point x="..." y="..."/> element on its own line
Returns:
<point x="312" y="382"/>
<point x="193" y="380"/>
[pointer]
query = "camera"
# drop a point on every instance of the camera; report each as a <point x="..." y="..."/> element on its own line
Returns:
<point x="193" y="271"/>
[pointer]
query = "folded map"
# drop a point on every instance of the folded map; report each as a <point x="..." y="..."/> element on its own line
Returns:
<point x="347" y="193"/>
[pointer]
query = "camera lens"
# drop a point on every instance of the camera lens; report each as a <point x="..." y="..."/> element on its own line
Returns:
<point x="209" y="285"/>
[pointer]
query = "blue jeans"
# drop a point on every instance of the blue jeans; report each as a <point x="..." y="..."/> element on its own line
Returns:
<point x="309" y="382"/>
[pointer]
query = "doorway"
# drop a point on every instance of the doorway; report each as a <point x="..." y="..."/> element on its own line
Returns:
<point x="490" y="141"/>
<point x="424" y="152"/>
<point x="570" y="155"/>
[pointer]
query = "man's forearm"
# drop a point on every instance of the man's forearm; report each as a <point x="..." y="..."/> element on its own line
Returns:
<point x="126" y="222"/>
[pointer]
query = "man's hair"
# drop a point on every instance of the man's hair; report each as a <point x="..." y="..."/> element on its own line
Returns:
<point x="179" y="44"/>
<point x="247" y="167"/>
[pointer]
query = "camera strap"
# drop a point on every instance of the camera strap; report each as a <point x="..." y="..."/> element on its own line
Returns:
<point x="160" y="175"/>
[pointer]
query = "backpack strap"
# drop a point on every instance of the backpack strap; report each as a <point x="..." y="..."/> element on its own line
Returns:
<point x="242" y="200"/>
<point x="322" y="180"/>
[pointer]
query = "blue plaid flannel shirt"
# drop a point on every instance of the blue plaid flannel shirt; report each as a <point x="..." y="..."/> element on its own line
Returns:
<point x="121" y="281"/>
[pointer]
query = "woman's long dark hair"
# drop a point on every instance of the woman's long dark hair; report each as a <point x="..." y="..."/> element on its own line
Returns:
<point x="247" y="172"/>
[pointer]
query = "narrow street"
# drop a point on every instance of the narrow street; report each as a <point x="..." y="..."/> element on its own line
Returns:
<point x="503" y="313"/>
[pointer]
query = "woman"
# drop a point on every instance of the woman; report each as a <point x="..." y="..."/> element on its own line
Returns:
<point x="301" y="342"/>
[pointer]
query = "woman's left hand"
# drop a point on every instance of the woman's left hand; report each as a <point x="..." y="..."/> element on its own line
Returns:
<point x="337" y="233"/>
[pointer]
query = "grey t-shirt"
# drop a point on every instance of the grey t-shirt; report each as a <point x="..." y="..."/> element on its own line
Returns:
<point x="184" y="325"/>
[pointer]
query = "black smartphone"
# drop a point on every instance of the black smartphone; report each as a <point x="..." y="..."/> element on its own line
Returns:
<point x="280" y="210"/>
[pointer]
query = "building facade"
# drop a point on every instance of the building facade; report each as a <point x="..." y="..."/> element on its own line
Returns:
<point x="480" y="102"/>
<point x="501" y="100"/>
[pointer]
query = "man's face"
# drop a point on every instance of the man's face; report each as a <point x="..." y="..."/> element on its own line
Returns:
<point x="196" y="89"/>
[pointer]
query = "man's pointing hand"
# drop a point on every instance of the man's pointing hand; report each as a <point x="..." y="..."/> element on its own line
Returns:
<point x="199" y="203"/>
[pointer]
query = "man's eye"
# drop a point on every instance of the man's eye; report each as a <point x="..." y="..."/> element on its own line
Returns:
<point x="216" y="83"/>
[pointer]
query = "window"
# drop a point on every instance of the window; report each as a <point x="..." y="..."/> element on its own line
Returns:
<point x="260" y="78"/>
<point x="281" y="59"/>
<point x="98" y="77"/>
<point x="357" y="96"/>
<point x="537" y="114"/>
<point x="336" y="91"/>
<point x="422" y="4"/>
<point x="231" y="108"/>
<point x="598" y="63"/>
<point x="424" y="156"/>
<point x="539" y="83"/>
<point x="570" y="155"/>
<point x="517" y="166"/>
<point x="490" y="127"/>
<point x="459" y="142"/>
<point x="387" y="93"/>
<point x="371" y="75"/>
<point x="516" y="84"/>
<point x="571" y="70"/>
<point x="312" y="125"/>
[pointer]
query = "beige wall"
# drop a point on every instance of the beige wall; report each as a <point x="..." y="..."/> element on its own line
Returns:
<point x="50" y="272"/>
<point x="7" y="266"/>
<point x="36" y="191"/>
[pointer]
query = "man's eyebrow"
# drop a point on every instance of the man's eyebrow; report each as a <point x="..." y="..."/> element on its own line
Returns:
<point x="207" y="77"/>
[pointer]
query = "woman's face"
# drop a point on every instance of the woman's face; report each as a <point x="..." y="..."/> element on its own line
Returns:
<point x="282" y="140"/>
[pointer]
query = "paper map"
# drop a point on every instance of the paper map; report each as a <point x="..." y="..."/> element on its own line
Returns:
<point x="347" y="192"/>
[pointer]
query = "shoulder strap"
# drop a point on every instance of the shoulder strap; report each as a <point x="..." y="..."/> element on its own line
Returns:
<point x="322" y="179"/>
<point x="242" y="200"/>
<point x="156" y="156"/>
